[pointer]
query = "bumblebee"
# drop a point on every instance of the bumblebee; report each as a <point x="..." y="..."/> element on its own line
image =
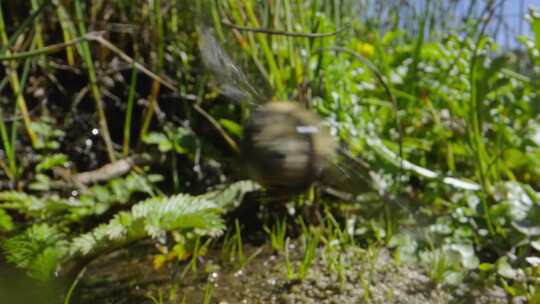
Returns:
<point x="285" y="147"/>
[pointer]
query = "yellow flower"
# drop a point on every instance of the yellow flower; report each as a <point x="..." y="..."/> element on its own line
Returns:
<point x="159" y="260"/>
<point x="365" y="49"/>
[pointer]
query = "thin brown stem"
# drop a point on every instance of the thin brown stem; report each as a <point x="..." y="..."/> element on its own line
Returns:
<point x="278" y="32"/>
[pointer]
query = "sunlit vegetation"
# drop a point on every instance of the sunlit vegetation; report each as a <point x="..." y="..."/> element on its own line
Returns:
<point x="116" y="140"/>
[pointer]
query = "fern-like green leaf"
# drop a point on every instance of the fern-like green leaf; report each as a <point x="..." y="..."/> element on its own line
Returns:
<point x="50" y="161"/>
<point x="39" y="250"/>
<point x="42" y="248"/>
<point x="6" y="223"/>
<point x="37" y="207"/>
<point x="14" y="198"/>
<point x="96" y="201"/>
<point x="155" y="216"/>
<point x="232" y="195"/>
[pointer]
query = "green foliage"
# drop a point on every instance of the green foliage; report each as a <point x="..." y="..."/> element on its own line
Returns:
<point x="51" y="161"/>
<point x="39" y="250"/>
<point x="182" y="141"/>
<point x="96" y="201"/>
<point x="443" y="110"/>
<point x="33" y="206"/>
<point x="442" y="267"/>
<point x="230" y="197"/>
<point x="43" y="248"/>
<point x="278" y="235"/>
<point x="49" y="135"/>
<point x="533" y="43"/>
<point x="447" y="120"/>
<point x="152" y="217"/>
<point x="6" y="223"/>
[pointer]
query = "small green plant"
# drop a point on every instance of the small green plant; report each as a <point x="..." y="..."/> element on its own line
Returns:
<point x="366" y="287"/>
<point x="368" y="261"/>
<point x="310" y="241"/>
<point x="442" y="267"/>
<point x="336" y="264"/>
<point x="159" y="299"/>
<point x="42" y="248"/>
<point x="278" y="235"/>
<point x="289" y="267"/>
<point x="163" y="298"/>
<point x="232" y="246"/>
<point x="309" y="245"/>
<point x="95" y="201"/>
<point x="10" y="169"/>
<point x="208" y="292"/>
<point x="333" y="231"/>
<point x="238" y="249"/>
<point x="183" y="249"/>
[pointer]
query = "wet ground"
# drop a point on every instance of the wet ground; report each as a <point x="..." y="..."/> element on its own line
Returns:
<point x="347" y="275"/>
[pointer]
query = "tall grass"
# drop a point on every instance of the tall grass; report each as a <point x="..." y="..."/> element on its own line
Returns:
<point x="423" y="83"/>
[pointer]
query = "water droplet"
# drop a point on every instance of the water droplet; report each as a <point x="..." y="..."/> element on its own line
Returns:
<point x="291" y="210"/>
<point x="95" y="131"/>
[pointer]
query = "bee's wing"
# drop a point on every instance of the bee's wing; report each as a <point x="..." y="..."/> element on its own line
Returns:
<point x="349" y="174"/>
<point x="233" y="82"/>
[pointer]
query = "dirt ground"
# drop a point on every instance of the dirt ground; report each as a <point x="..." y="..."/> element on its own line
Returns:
<point x="361" y="276"/>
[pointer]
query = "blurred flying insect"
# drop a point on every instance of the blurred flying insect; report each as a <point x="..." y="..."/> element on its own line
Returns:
<point x="285" y="146"/>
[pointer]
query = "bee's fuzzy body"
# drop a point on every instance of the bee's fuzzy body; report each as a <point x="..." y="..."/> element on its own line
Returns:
<point x="286" y="147"/>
